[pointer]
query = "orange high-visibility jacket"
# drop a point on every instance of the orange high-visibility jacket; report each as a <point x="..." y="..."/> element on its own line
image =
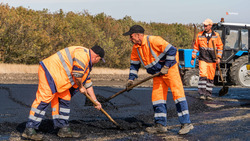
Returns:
<point x="206" y="47"/>
<point x="68" y="63"/>
<point x="153" y="54"/>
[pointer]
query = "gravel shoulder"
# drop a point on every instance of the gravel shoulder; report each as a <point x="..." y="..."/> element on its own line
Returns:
<point x="114" y="80"/>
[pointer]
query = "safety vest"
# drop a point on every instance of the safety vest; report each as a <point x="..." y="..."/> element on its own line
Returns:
<point x="67" y="62"/>
<point x="205" y="47"/>
<point x="153" y="54"/>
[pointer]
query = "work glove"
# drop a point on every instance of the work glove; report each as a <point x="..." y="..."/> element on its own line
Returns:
<point x="128" y="84"/>
<point x="164" y="70"/>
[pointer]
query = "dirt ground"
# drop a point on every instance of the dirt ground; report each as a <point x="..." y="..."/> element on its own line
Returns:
<point x="114" y="80"/>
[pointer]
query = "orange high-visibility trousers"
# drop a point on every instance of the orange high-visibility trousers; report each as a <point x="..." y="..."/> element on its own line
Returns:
<point x="206" y="80"/>
<point x="59" y="104"/>
<point x="171" y="80"/>
<point x="161" y="84"/>
<point x="207" y="69"/>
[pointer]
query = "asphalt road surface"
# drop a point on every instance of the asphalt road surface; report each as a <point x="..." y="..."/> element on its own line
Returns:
<point x="224" y="118"/>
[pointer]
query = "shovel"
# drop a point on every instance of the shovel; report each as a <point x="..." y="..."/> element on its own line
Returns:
<point x="224" y="90"/>
<point x="132" y="86"/>
<point x="110" y="118"/>
<point x="102" y="99"/>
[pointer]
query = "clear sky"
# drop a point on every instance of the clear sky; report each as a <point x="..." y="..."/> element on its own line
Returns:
<point x="160" y="11"/>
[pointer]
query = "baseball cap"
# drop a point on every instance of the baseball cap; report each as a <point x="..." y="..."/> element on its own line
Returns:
<point x="98" y="50"/>
<point x="134" y="29"/>
<point x="208" y="22"/>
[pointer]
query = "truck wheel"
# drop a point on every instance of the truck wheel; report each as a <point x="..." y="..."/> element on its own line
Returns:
<point x="191" y="78"/>
<point x="238" y="72"/>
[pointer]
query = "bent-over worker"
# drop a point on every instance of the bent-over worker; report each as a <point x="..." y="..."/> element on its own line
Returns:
<point x="59" y="76"/>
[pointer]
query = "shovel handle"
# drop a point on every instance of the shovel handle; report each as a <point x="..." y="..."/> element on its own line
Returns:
<point x="110" y="118"/>
<point x="132" y="86"/>
<point x="215" y="52"/>
<point x="193" y="42"/>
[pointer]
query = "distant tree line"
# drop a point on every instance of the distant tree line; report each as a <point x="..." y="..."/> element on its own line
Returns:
<point x="28" y="36"/>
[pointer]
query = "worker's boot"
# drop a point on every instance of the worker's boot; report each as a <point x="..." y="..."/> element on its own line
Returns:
<point x="157" y="128"/>
<point x="185" y="128"/>
<point x="30" y="133"/>
<point x="65" y="132"/>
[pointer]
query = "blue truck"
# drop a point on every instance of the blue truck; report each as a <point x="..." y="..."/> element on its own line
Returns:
<point x="235" y="58"/>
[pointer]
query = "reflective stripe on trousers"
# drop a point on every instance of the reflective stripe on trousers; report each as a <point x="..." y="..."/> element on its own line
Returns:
<point x="59" y="104"/>
<point x="205" y="86"/>
<point x="61" y="109"/>
<point x="36" y="114"/>
<point x="159" y="96"/>
<point x="206" y="80"/>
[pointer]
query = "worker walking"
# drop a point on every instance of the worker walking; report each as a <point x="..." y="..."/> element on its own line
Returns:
<point x="157" y="55"/>
<point x="207" y="59"/>
<point x="60" y="76"/>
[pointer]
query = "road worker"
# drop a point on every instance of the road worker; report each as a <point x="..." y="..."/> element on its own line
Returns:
<point x="60" y="76"/>
<point x="157" y="55"/>
<point x="207" y="59"/>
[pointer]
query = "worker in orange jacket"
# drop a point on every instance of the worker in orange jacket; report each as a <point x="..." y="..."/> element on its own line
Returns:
<point x="207" y="59"/>
<point x="157" y="55"/>
<point x="60" y="77"/>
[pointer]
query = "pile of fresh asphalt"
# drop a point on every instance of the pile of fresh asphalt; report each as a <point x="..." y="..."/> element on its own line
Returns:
<point x="132" y="111"/>
<point x="94" y="125"/>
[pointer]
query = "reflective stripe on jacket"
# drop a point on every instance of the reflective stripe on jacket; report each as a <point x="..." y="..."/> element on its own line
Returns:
<point x="68" y="63"/>
<point x="153" y="54"/>
<point x="206" y="47"/>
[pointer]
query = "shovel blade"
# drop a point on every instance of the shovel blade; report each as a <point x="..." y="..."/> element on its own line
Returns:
<point x="223" y="91"/>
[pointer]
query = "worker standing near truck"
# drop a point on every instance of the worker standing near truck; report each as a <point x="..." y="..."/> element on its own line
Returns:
<point x="207" y="59"/>
<point x="157" y="55"/>
<point x="59" y="76"/>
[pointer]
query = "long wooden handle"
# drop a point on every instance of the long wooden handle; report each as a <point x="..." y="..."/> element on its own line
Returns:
<point x="132" y="86"/>
<point x="193" y="42"/>
<point x="110" y="118"/>
<point x="215" y="52"/>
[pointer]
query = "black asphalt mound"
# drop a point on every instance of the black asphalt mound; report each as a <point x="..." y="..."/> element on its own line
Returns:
<point x="88" y="129"/>
<point x="132" y="111"/>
